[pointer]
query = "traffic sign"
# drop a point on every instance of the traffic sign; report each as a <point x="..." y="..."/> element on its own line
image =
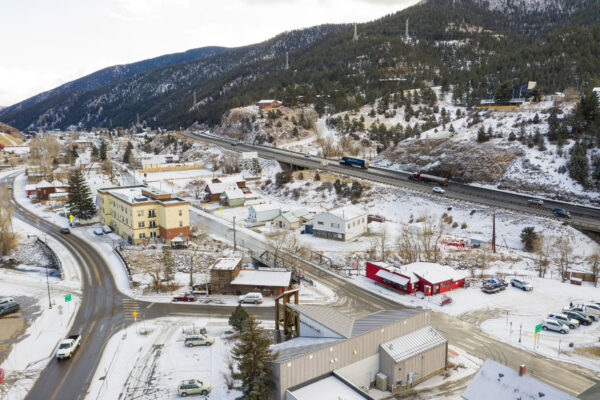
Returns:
<point x="67" y="297"/>
<point x="71" y="217"/>
<point x="221" y="210"/>
<point x="538" y="328"/>
<point x="135" y="314"/>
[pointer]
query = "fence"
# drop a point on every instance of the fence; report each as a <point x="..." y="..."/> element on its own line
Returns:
<point x="56" y="263"/>
<point x="125" y="264"/>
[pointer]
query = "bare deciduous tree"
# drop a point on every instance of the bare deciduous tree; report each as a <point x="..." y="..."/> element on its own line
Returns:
<point x="564" y="250"/>
<point x="595" y="260"/>
<point x="8" y="239"/>
<point x="408" y="246"/>
<point x="542" y="257"/>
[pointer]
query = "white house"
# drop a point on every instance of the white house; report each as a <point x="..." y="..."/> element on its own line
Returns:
<point x="344" y="224"/>
<point x="292" y="219"/>
<point x="263" y="212"/>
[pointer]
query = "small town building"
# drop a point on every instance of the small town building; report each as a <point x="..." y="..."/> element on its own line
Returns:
<point x="346" y="223"/>
<point x="266" y="281"/>
<point x="268" y="104"/>
<point x="233" y="197"/>
<point x="323" y="389"/>
<point x="139" y="213"/>
<point x="430" y="278"/>
<point x="394" y="349"/>
<point x="30" y="189"/>
<point x="222" y="272"/>
<point x="16" y="149"/>
<point x="263" y="212"/>
<point x="292" y="219"/>
<point x="495" y="381"/>
<point x="214" y="190"/>
<point x="43" y="188"/>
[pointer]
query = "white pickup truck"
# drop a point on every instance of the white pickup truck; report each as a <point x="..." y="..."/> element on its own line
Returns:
<point x="68" y="346"/>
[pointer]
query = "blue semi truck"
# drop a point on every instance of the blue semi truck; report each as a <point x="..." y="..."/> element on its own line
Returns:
<point x="364" y="164"/>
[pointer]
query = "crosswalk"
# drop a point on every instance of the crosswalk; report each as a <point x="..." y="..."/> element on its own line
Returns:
<point x="131" y="306"/>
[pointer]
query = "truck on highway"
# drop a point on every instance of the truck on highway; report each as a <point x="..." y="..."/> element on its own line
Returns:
<point x="364" y="164"/>
<point x="67" y="347"/>
<point x="417" y="176"/>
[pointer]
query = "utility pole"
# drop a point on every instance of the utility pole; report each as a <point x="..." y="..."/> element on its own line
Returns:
<point x="234" y="241"/>
<point x="48" y="281"/>
<point x="494" y="231"/>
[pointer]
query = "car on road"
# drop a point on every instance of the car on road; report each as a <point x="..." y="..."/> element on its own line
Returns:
<point x="185" y="297"/>
<point x="584" y="311"/>
<point x="561" y="213"/>
<point x="570" y="322"/>
<point x="252" y="297"/>
<point x="199" y="340"/>
<point x="98" y="232"/>
<point x="438" y="190"/>
<point x="556" y="326"/>
<point x="583" y="320"/>
<point x="194" y="386"/>
<point x="67" y="347"/>
<point x="535" y="202"/>
<point x="521" y="284"/>
<point x="64" y="231"/>
<point x="306" y="155"/>
<point x="9" y="308"/>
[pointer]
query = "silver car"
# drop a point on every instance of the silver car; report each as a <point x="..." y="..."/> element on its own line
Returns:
<point x="553" y="325"/>
<point x="570" y="322"/>
<point x="521" y="284"/>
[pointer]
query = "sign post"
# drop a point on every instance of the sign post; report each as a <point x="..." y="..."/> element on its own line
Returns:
<point x="538" y="329"/>
<point x="135" y="314"/>
<point x="67" y="298"/>
<point x="71" y="220"/>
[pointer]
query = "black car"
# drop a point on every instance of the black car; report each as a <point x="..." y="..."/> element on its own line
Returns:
<point x="560" y="213"/>
<point x="8" y="308"/>
<point x="64" y="230"/>
<point x="583" y="320"/>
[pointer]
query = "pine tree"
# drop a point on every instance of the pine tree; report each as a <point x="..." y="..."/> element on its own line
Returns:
<point x="127" y="154"/>
<point x="94" y="152"/>
<point x="80" y="203"/>
<point x="579" y="168"/>
<point x="252" y="352"/>
<point x="103" y="150"/>
<point x="238" y="317"/>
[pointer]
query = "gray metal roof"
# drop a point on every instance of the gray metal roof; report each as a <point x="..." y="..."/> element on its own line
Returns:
<point x="379" y="319"/>
<point x="407" y="346"/>
<point x="327" y="316"/>
<point x="299" y="346"/>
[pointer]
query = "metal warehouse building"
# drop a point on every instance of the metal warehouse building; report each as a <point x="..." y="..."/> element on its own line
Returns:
<point x="394" y="348"/>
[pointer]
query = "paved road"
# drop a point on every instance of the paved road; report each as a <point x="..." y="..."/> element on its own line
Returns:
<point x="104" y="309"/>
<point x="586" y="218"/>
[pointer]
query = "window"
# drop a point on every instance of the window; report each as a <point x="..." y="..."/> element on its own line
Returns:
<point x="180" y="224"/>
<point x="152" y="234"/>
<point x="142" y="235"/>
<point x="151" y="214"/>
<point x="320" y="223"/>
<point x="180" y="213"/>
<point x="140" y="213"/>
<point x="152" y="224"/>
<point x="334" y="225"/>
<point x="141" y="224"/>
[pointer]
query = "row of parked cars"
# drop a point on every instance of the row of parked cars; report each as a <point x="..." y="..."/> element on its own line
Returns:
<point x="572" y="317"/>
<point x="8" y="306"/>
<point x="196" y="386"/>
<point x="252" y="297"/>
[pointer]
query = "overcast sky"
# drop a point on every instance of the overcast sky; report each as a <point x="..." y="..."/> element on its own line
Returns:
<point x="44" y="43"/>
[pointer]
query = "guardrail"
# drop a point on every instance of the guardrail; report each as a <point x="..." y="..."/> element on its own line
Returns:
<point x="52" y="255"/>
<point x="125" y="264"/>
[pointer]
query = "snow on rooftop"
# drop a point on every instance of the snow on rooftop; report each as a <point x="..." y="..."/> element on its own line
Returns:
<point x="327" y="389"/>
<point x="495" y="381"/>
<point x="265" y="207"/>
<point x="251" y="277"/>
<point x="431" y="272"/>
<point x="348" y="212"/>
<point x="227" y="263"/>
<point x="407" y="346"/>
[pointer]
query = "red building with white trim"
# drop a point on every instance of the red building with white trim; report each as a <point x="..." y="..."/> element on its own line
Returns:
<point x="430" y="278"/>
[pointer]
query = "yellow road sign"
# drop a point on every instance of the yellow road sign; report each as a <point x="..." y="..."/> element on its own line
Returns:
<point x="71" y="217"/>
<point x="221" y="210"/>
<point x="135" y="313"/>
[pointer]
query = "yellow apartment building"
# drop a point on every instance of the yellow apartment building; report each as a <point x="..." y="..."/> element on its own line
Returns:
<point x="139" y="213"/>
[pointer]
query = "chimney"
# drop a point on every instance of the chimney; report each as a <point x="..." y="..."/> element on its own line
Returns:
<point x="522" y="370"/>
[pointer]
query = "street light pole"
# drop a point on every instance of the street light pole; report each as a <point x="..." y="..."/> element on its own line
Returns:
<point x="234" y="241"/>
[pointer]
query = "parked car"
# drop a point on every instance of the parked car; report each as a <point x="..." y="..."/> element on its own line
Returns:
<point x="6" y="300"/>
<point x="193" y="386"/>
<point x="234" y="143"/>
<point x="584" y="311"/>
<point x="64" y="231"/>
<point x="252" y="297"/>
<point x="306" y="155"/>
<point x="535" y="202"/>
<point x="583" y="320"/>
<point x="570" y="322"/>
<point x="9" y="308"/>
<point x="439" y="190"/>
<point x="185" y="297"/>
<point x="67" y="347"/>
<point x="560" y="213"/>
<point x="553" y="325"/>
<point x="199" y="340"/>
<point x="376" y="218"/>
<point x="106" y="229"/>
<point x="98" y="232"/>
<point x="521" y="284"/>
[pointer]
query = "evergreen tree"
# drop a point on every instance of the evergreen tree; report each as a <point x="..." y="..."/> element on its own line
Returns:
<point x="80" y="203"/>
<point x="481" y="135"/>
<point x="252" y="352"/>
<point x="94" y="152"/>
<point x="579" y="168"/>
<point x="103" y="150"/>
<point x="529" y="238"/>
<point x="127" y="154"/>
<point x="238" y="317"/>
<point x="317" y="176"/>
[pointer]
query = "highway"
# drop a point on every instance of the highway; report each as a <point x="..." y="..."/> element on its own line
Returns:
<point x="582" y="217"/>
<point x="105" y="310"/>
